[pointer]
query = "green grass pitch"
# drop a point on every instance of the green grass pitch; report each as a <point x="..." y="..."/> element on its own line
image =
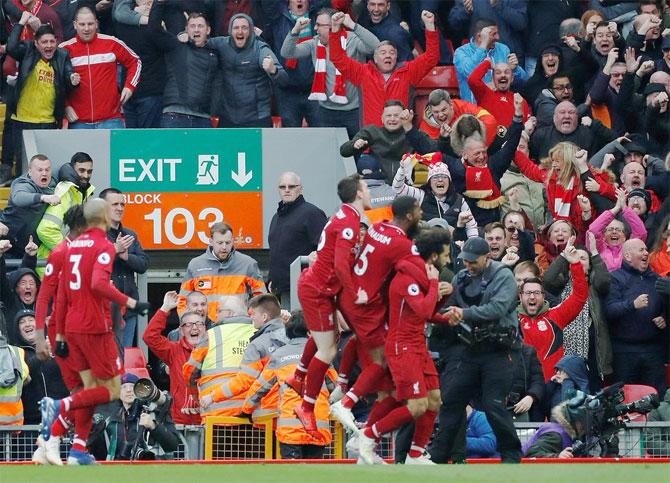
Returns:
<point x="305" y="473"/>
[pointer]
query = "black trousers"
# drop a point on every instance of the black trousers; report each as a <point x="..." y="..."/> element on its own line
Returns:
<point x="485" y="376"/>
<point x="301" y="451"/>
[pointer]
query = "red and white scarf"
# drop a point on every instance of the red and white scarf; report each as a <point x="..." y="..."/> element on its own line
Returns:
<point x="560" y="198"/>
<point x="339" y="95"/>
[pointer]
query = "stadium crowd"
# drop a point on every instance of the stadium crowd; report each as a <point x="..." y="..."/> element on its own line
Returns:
<point x="548" y="165"/>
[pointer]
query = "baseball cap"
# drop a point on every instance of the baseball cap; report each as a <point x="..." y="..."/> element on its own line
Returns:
<point x="473" y="249"/>
<point x="369" y="167"/>
<point x="438" y="169"/>
<point x="129" y="378"/>
<point x="438" y="222"/>
<point x="642" y="193"/>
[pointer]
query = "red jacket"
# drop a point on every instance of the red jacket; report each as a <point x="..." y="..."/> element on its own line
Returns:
<point x="175" y="355"/>
<point x="97" y="97"/>
<point x="375" y="90"/>
<point x="545" y="330"/>
<point x="500" y="104"/>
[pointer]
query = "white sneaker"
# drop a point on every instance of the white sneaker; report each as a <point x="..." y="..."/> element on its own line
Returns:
<point x="344" y="416"/>
<point x="352" y="446"/>
<point x="40" y="454"/>
<point x="379" y="460"/>
<point x="424" y="459"/>
<point x="52" y="448"/>
<point x="366" y="449"/>
<point x="337" y="394"/>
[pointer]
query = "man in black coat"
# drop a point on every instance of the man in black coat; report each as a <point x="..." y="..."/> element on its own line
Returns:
<point x="294" y="231"/>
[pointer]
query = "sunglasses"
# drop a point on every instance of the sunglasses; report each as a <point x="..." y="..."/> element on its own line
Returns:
<point x="288" y="186"/>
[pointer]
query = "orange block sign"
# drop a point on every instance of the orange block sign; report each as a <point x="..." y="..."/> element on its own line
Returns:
<point x="168" y="220"/>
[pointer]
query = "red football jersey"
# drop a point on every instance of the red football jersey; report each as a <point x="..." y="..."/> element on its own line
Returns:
<point x="335" y="252"/>
<point x="85" y="288"/>
<point x="48" y="288"/>
<point x="411" y="304"/>
<point x="383" y="247"/>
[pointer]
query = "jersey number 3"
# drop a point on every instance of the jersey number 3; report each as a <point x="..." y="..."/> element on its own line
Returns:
<point x="76" y="284"/>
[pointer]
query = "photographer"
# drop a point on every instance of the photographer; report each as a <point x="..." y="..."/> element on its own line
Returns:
<point x="135" y="429"/>
<point x="484" y="300"/>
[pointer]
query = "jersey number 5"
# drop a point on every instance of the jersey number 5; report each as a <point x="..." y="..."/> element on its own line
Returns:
<point x="362" y="263"/>
<point x="74" y="260"/>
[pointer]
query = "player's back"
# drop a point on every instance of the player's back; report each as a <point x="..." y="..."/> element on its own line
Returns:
<point x="383" y="246"/>
<point x="343" y="226"/>
<point x="87" y="312"/>
<point x="406" y="329"/>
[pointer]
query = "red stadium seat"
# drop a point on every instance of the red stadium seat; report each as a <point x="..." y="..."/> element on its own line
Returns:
<point x="440" y="77"/>
<point x="138" y="371"/>
<point x="633" y="392"/>
<point x="134" y="358"/>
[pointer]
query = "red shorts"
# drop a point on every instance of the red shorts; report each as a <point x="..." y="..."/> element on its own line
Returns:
<point x="319" y="309"/>
<point x="97" y="352"/>
<point x="367" y="321"/>
<point x="70" y="376"/>
<point x="414" y="374"/>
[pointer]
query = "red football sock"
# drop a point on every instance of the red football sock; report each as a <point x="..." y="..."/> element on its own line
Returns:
<point x="307" y="356"/>
<point x="381" y="408"/>
<point x="83" y="421"/>
<point x="349" y="358"/>
<point x="388" y="423"/>
<point x="422" y="430"/>
<point x="62" y="424"/>
<point x="87" y="397"/>
<point x="364" y="384"/>
<point x="315" y="375"/>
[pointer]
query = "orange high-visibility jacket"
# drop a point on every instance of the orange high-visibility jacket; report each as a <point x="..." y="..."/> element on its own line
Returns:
<point x="11" y="406"/>
<point x="270" y="388"/>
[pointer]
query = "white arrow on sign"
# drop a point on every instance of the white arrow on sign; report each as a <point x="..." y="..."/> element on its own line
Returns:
<point x="242" y="177"/>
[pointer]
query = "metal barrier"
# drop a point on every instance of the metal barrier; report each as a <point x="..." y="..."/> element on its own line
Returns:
<point x="237" y="439"/>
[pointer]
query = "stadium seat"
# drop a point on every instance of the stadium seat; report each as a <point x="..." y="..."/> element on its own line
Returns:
<point x="440" y="77"/>
<point x="138" y="371"/>
<point x="134" y="358"/>
<point x="633" y="392"/>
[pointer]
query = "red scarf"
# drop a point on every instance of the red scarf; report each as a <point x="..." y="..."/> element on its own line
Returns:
<point x="27" y="33"/>
<point x="560" y="198"/>
<point x="479" y="185"/>
<point x="339" y="95"/>
<point x="293" y="63"/>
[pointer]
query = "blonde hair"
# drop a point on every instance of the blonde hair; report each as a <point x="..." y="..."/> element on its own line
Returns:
<point x="565" y="151"/>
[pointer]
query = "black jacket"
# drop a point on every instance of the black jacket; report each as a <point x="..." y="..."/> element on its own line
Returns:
<point x="528" y="379"/>
<point x="123" y="273"/>
<point x="592" y="138"/>
<point x="14" y="304"/>
<point x="544" y="19"/>
<point x="190" y="70"/>
<point x="294" y="231"/>
<point x="28" y="56"/>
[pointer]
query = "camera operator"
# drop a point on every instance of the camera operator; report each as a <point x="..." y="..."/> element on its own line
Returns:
<point x="136" y="429"/>
<point x="484" y="299"/>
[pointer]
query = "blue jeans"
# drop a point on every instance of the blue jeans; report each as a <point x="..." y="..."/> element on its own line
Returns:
<point x="116" y="123"/>
<point x="129" y="330"/>
<point x="347" y="119"/>
<point x="293" y="106"/>
<point x="174" y="119"/>
<point x="143" y="112"/>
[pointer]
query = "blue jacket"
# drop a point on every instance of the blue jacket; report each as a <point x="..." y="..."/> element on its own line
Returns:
<point x="480" y="440"/>
<point x="578" y="380"/>
<point x="469" y="56"/>
<point x="510" y="15"/>
<point x="629" y="325"/>
<point x="390" y="29"/>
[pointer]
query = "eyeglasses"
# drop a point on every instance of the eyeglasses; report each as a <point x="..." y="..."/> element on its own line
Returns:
<point x="562" y="87"/>
<point x="439" y="176"/>
<point x="533" y="292"/>
<point x="190" y="325"/>
<point x="284" y="187"/>
<point x="614" y="228"/>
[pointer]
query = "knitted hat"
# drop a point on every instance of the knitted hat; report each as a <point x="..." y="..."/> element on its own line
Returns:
<point x="642" y="193"/>
<point x="653" y="87"/>
<point x="438" y="169"/>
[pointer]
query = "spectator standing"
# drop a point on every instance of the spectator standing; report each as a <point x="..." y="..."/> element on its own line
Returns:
<point x="484" y="43"/>
<point x="191" y="69"/>
<point x="74" y="188"/>
<point x="11" y="406"/>
<point x="524" y="400"/>
<point x="222" y="271"/>
<point x="29" y="196"/>
<point x="339" y="100"/>
<point x="250" y="70"/>
<point x="175" y="354"/>
<point x="96" y="103"/>
<point x="130" y="259"/>
<point x="384" y="25"/>
<point x="37" y="100"/>
<point x="383" y="79"/>
<point x="294" y="231"/>
<point x="638" y="328"/>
